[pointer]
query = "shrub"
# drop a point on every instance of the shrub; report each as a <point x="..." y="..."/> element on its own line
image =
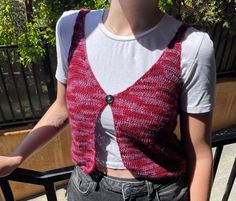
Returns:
<point x="31" y="23"/>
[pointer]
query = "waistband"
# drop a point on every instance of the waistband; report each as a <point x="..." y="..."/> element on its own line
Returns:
<point x="127" y="187"/>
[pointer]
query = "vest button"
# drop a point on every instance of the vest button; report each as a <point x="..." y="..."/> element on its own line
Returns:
<point x="109" y="99"/>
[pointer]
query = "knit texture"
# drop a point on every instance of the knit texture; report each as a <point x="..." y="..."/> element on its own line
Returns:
<point x="144" y="114"/>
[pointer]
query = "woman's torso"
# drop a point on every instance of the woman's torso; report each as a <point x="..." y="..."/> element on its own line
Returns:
<point x="129" y="58"/>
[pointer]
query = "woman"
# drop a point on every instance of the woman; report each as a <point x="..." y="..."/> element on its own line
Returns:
<point x="124" y="74"/>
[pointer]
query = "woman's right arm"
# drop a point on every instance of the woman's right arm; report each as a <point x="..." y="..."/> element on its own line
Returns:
<point x="46" y="129"/>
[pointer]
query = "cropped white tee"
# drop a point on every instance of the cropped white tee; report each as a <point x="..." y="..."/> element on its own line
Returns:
<point x="118" y="61"/>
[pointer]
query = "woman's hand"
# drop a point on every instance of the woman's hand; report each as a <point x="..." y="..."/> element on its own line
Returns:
<point x="8" y="164"/>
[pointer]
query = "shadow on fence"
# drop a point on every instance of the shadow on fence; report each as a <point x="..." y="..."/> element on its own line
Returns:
<point x="26" y="92"/>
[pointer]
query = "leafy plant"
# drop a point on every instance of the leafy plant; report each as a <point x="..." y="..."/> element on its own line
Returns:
<point x="31" y="23"/>
<point x="203" y="12"/>
<point x="12" y="21"/>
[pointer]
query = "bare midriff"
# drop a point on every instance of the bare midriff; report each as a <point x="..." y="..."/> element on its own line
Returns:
<point x="120" y="173"/>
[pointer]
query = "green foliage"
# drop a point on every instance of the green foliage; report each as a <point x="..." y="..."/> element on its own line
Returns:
<point x="165" y="5"/>
<point x="12" y="20"/>
<point x="31" y="34"/>
<point x="32" y="29"/>
<point x="31" y="43"/>
<point x="203" y="12"/>
<point x="93" y="4"/>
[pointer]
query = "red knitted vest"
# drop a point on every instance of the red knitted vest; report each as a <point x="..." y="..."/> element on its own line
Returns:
<point x="144" y="114"/>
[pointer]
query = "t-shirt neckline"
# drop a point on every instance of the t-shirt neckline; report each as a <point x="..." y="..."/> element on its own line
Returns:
<point x="129" y="37"/>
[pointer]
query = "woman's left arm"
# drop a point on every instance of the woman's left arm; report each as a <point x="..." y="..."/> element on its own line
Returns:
<point x="196" y="138"/>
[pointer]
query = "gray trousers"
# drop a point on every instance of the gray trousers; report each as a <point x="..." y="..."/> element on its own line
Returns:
<point x="99" y="187"/>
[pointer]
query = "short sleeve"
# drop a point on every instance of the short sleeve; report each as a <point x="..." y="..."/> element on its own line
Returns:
<point x="64" y="32"/>
<point x="199" y="73"/>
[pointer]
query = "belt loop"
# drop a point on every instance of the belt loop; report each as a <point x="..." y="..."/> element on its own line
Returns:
<point x="124" y="189"/>
<point x="95" y="185"/>
<point x="150" y="190"/>
<point x="157" y="196"/>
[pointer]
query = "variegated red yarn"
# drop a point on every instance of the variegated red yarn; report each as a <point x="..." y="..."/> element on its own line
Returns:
<point x="144" y="114"/>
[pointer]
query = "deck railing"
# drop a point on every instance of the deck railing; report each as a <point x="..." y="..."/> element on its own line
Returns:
<point x="48" y="178"/>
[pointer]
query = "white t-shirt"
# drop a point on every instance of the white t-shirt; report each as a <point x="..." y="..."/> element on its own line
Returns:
<point x="118" y="61"/>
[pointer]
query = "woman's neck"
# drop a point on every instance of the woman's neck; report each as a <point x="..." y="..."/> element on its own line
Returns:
<point x="131" y="17"/>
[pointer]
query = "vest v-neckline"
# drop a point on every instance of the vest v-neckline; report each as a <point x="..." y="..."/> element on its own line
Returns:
<point x="79" y="39"/>
<point x="149" y="71"/>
